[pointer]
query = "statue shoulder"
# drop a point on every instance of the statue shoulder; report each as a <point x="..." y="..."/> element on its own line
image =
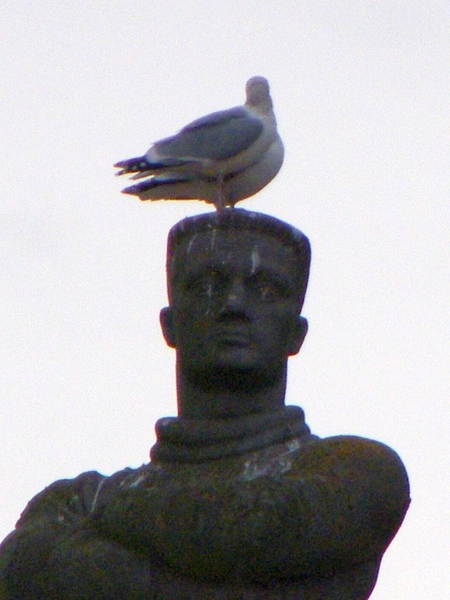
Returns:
<point x="65" y="501"/>
<point x="367" y="475"/>
<point x="52" y="534"/>
<point x="353" y="453"/>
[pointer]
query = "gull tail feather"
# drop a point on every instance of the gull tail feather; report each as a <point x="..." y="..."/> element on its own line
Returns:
<point x="141" y="167"/>
<point x="154" y="183"/>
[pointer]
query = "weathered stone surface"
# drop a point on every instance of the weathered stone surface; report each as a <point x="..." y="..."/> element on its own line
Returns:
<point x="240" y="501"/>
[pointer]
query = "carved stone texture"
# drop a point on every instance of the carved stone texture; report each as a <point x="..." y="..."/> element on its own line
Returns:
<point x="240" y="501"/>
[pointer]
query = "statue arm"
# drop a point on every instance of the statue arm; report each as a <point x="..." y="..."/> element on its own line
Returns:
<point x="350" y="496"/>
<point x="52" y="553"/>
<point x="340" y="504"/>
<point x="48" y="518"/>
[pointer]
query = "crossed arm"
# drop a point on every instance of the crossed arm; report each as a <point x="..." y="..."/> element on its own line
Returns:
<point x="338" y="506"/>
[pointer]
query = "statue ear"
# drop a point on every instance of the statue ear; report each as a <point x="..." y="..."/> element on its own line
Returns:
<point x="298" y="335"/>
<point x="166" y="321"/>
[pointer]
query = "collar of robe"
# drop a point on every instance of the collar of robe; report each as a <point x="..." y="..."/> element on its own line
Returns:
<point x="192" y="440"/>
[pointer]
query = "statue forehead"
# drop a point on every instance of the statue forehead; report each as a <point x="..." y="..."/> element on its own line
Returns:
<point x="233" y="246"/>
<point x="226" y="226"/>
<point x="239" y="235"/>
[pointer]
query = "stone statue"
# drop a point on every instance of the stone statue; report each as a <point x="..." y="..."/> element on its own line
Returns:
<point x="240" y="501"/>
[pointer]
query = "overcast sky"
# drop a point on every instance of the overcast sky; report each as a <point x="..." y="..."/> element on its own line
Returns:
<point x="361" y="94"/>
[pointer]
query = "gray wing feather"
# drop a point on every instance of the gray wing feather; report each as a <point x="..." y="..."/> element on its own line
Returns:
<point x="218" y="136"/>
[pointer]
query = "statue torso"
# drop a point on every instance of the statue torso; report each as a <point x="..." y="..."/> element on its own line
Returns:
<point x="288" y="516"/>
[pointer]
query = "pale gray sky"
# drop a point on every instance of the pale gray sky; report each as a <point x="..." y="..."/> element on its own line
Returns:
<point x="361" y="93"/>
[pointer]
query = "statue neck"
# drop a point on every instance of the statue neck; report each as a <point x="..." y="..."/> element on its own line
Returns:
<point x="222" y="402"/>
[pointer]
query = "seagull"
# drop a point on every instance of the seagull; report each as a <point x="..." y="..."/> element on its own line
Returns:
<point x="221" y="158"/>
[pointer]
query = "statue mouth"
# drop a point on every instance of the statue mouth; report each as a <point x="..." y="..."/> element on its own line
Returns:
<point x="233" y="336"/>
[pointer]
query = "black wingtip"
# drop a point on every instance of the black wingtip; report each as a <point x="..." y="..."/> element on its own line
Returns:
<point x="131" y="165"/>
<point x="133" y="190"/>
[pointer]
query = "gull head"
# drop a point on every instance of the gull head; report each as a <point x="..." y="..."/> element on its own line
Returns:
<point x="257" y="90"/>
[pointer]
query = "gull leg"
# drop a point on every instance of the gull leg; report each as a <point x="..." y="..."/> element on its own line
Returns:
<point x="219" y="203"/>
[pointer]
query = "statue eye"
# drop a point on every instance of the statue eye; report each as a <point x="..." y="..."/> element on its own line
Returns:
<point x="269" y="290"/>
<point x="204" y="285"/>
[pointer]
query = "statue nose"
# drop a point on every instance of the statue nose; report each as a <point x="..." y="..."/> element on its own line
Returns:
<point x="235" y="299"/>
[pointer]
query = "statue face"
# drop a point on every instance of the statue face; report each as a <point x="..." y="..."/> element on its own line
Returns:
<point x="234" y="306"/>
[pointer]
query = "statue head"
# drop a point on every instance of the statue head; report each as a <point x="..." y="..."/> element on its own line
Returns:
<point x="231" y="223"/>
<point x="236" y="286"/>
